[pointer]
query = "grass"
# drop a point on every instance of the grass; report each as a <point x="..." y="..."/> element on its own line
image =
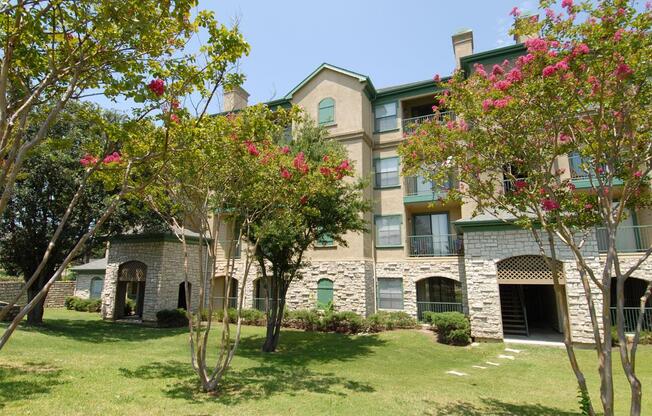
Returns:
<point x="4" y="277"/>
<point x="77" y="364"/>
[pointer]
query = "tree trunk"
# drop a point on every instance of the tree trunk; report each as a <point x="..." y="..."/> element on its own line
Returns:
<point x="275" y="317"/>
<point x="35" y="316"/>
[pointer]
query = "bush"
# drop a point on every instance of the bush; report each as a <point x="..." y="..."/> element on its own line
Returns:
<point x="82" y="305"/>
<point x="130" y="307"/>
<point x="383" y="321"/>
<point x="171" y="318"/>
<point x="646" y="338"/>
<point x="452" y="327"/>
<point x="306" y="319"/>
<point x="346" y="322"/>
<point x="249" y="316"/>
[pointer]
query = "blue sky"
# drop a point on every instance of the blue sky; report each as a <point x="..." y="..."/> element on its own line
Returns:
<point x="394" y="42"/>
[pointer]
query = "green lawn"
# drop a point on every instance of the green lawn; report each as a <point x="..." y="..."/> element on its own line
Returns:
<point x="77" y="364"/>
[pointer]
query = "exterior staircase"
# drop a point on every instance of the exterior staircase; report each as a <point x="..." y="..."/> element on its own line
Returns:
<point x="513" y="310"/>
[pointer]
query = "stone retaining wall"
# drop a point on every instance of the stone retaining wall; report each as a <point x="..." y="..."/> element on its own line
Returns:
<point x="55" y="299"/>
<point x="9" y="290"/>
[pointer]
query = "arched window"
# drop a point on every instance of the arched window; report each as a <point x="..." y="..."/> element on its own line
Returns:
<point x="327" y="111"/>
<point x="324" y="292"/>
<point x="181" y="300"/>
<point x="96" y="287"/>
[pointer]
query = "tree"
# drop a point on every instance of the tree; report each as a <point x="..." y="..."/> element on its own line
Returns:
<point x="55" y="52"/>
<point x="42" y="193"/>
<point x="328" y="207"/>
<point x="225" y="169"/>
<point x="583" y="87"/>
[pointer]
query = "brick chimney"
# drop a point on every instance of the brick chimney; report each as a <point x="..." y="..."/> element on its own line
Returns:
<point x="235" y="98"/>
<point x="462" y="44"/>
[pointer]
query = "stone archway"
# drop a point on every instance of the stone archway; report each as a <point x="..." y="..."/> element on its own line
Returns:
<point x="131" y="285"/>
<point x="438" y="294"/>
<point x="634" y="289"/>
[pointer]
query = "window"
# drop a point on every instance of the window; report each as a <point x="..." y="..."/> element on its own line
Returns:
<point x="325" y="241"/>
<point x="390" y="293"/>
<point x="96" y="287"/>
<point x="387" y="172"/>
<point x="324" y="293"/>
<point x="326" y="111"/>
<point x="385" y="115"/>
<point x="388" y="231"/>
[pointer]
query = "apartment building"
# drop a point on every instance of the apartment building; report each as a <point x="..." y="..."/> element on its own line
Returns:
<point x="421" y="254"/>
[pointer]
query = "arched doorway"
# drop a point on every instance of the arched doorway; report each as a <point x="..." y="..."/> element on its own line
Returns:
<point x="528" y="302"/>
<point x="130" y="289"/>
<point x="438" y="294"/>
<point x="219" y="293"/>
<point x="181" y="301"/>
<point x="634" y="289"/>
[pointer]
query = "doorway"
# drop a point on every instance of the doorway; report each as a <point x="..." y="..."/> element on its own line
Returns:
<point x="130" y="290"/>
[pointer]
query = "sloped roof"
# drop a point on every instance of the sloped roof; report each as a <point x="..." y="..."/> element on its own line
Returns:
<point x="93" y="265"/>
<point x="369" y="87"/>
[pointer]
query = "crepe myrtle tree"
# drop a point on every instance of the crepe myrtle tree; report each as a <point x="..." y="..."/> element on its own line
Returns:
<point x="323" y="203"/>
<point x="58" y="51"/>
<point x="583" y="87"/>
<point x="227" y="174"/>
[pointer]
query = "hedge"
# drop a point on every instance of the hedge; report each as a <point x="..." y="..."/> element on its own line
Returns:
<point x="452" y="327"/>
<point x="75" y="303"/>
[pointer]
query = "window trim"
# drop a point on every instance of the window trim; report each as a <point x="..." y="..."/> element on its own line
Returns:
<point x="332" y="292"/>
<point x="402" y="293"/>
<point x="376" y="118"/>
<point x="398" y="172"/>
<point x="320" y="108"/>
<point x="90" y="287"/>
<point x="400" y="217"/>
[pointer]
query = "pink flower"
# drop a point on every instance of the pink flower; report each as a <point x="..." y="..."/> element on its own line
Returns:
<point x="437" y="78"/>
<point x="549" y="204"/>
<point x="300" y="163"/>
<point x="157" y="86"/>
<point x="344" y="166"/>
<point x="502" y="85"/>
<point x="450" y="125"/>
<point x="623" y="71"/>
<point x="567" y="4"/>
<point x="581" y="49"/>
<point x="325" y="158"/>
<point x="112" y="158"/>
<point x="251" y="148"/>
<point x="88" y="160"/>
<point x="549" y="70"/>
<point x="463" y="125"/>
<point x="536" y="45"/>
<point x="618" y="36"/>
<point x="638" y="174"/>
<point x="174" y="118"/>
<point x="571" y="186"/>
<point x="497" y="70"/>
<point x="325" y="171"/>
<point x="285" y="150"/>
<point x="550" y="14"/>
<point x="174" y="104"/>
<point x="588" y="206"/>
<point x="435" y="108"/>
<point x="515" y="12"/>
<point x="520" y="184"/>
<point x="599" y="170"/>
<point x="285" y="174"/>
<point x="479" y="69"/>
<point x="502" y="102"/>
<point x="523" y="60"/>
<point x="564" y="138"/>
<point x="552" y="54"/>
<point x="562" y="65"/>
<point x="487" y="104"/>
<point x="303" y="200"/>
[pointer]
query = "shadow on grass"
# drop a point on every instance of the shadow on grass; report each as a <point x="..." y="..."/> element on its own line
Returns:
<point x="496" y="408"/>
<point x="253" y="383"/>
<point x="23" y="382"/>
<point x="98" y="331"/>
<point x="282" y="372"/>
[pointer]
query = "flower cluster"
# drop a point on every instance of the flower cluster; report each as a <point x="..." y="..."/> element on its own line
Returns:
<point x="251" y="148"/>
<point x="300" y="163"/>
<point x="157" y="86"/>
<point x="88" y="160"/>
<point x="112" y="158"/>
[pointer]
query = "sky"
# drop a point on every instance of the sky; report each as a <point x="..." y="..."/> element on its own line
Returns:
<point x="393" y="42"/>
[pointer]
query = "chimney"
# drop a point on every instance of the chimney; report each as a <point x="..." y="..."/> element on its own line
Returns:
<point x="462" y="44"/>
<point x="522" y="22"/>
<point x="235" y="98"/>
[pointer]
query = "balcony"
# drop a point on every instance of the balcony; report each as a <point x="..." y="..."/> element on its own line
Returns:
<point x="631" y="318"/>
<point x="419" y="189"/>
<point x="441" y="245"/>
<point x="629" y="239"/>
<point x="437" y="307"/>
<point x="409" y="125"/>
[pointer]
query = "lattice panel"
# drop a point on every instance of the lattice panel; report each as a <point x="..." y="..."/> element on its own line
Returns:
<point x="527" y="268"/>
<point x="133" y="271"/>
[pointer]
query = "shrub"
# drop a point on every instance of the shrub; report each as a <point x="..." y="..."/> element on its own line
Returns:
<point x="646" y="337"/>
<point x="68" y="303"/>
<point x="171" y="318"/>
<point x="306" y="319"/>
<point x="130" y="307"/>
<point x="82" y="305"/>
<point x="452" y="327"/>
<point x="249" y="316"/>
<point x="376" y="322"/>
<point x="345" y="322"/>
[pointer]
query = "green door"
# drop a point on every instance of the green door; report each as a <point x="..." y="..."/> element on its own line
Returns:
<point x="324" y="293"/>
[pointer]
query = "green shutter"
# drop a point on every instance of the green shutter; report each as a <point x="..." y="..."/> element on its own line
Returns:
<point x="324" y="292"/>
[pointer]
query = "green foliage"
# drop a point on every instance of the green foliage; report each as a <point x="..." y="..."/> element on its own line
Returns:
<point x="130" y="307"/>
<point x="306" y="319"/>
<point x="248" y="316"/>
<point x="82" y="305"/>
<point x="584" y="402"/>
<point x="345" y="322"/>
<point x="171" y="318"/>
<point x="382" y="321"/>
<point x="452" y="327"/>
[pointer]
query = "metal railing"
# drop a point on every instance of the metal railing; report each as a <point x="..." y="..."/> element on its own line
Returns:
<point x="437" y="307"/>
<point x="631" y="318"/>
<point x="218" y="302"/>
<point x="436" y="245"/>
<point x="629" y="239"/>
<point x="409" y="125"/>
<point x="417" y="185"/>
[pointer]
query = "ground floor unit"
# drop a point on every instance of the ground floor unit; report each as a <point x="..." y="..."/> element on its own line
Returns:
<point x="500" y="280"/>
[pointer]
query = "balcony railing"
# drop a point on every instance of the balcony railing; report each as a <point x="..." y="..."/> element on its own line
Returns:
<point x="418" y="186"/>
<point x="436" y="245"/>
<point x="629" y="239"/>
<point x="631" y="318"/>
<point x="437" y="307"/>
<point x="218" y="302"/>
<point x="410" y="124"/>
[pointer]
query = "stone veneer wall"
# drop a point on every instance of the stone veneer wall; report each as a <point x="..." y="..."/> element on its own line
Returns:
<point x="83" y="283"/>
<point x="57" y="295"/>
<point x="165" y="271"/>
<point x="411" y="271"/>
<point x="483" y="249"/>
